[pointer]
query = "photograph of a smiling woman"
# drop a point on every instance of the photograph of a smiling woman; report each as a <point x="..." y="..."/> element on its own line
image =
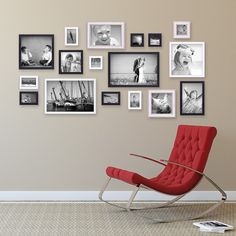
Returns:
<point x="187" y="59"/>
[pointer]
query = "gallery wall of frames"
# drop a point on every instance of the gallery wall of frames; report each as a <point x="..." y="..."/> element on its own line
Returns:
<point x="134" y="69"/>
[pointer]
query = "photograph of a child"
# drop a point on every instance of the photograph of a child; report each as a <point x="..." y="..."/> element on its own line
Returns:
<point x="134" y="100"/>
<point x="105" y="35"/>
<point x="36" y="51"/>
<point x="181" y="29"/>
<point x="187" y="59"/>
<point x="192" y="98"/>
<point x="71" y="36"/>
<point x="70" y="62"/>
<point x="136" y="40"/>
<point x="154" y="40"/>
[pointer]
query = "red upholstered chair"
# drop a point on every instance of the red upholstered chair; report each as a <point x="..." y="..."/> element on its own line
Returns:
<point x="181" y="173"/>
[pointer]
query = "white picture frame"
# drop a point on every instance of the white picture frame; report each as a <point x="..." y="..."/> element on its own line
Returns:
<point x="161" y="104"/>
<point x="71" y="36"/>
<point x="181" y="29"/>
<point x="105" y="35"/>
<point x="79" y="96"/>
<point x="134" y="100"/>
<point x="95" y="62"/>
<point x="28" y="82"/>
<point x="187" y="59"/>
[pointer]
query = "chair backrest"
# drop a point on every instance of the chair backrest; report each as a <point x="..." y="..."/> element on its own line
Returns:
<point x="191" y="148"/>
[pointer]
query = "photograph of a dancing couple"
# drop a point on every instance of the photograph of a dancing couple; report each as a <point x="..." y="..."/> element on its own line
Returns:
<point x="133" y="69"/>
<point x="36" y="51"/>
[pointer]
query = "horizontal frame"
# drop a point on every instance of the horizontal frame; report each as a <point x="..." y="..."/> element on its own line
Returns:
<point x="28" y="104"/>
<point x="27" y="77"/>
<point x="110" y="92"/>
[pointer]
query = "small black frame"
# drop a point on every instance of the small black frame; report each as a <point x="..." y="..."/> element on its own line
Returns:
<point x="110" y="103"/>
<point x="136" y="44"/>
<point x="21" y="102"/>
<point x="157" y="37"/>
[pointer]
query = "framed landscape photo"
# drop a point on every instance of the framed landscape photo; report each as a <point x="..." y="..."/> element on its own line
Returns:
<point x="95" y="62"/>
<point x="187" y="59"/>
<point x="28" y="98"/>
<point x="161" y="103"/>
<point x="70" y="62"/>
<point x="105" y="35"/>
<point x="133" y="69"/>
<point x="36" y="51"/>
<point x="154" y="40"/>
<point x="71" y="36"/>
<point x="134" y="100"/>
<point x="192" y="96"/>
<point x="137" y="40"/>
<point x="70" y="96"/>
<point x="110" y="98"/>
<point x="181" y="29"/>
<point x="28" y="82"/>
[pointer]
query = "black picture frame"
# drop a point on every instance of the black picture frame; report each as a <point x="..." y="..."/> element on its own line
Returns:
<point x="36" y="50"/>
<point x="156" y="36"/>
<point x="27" y="102"/>
<point x="136" y="44"/>
<point x="150" y="82"/>
<point x="110" y="103"/>
<point x="70" y="52"/>
<point x="198" y="96"/>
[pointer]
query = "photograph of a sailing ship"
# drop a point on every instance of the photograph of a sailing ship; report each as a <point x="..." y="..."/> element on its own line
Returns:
<point x="70" y="96"/>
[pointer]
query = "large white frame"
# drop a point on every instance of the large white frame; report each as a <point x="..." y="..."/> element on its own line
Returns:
<point x="77" y="36"/>
<point x="68" y="80"/>
<point x="122" y="43"/>
<point x="188" y="35"/>
<point x="172" y="114"/>
<point x="28" y="88"/>
<point x="140" y="101"/>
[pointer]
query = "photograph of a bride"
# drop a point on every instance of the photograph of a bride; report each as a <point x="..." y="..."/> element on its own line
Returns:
<point x="133" y="69"/>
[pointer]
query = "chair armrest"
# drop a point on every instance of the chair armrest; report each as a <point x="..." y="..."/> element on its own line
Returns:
<point x="147" y="158"/>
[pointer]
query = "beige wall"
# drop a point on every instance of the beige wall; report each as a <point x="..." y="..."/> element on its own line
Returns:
<point x="70" y="152"/>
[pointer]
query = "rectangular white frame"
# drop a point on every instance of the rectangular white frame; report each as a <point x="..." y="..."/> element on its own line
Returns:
<point x="95" y="68"/>
<point x="173" y="113"/>
<point x="77" y="36"/>
<point x="188" y="23"/>
<point x="72" y="79"/>
<point x="187" y="76"/>
<point x="140" y="102"/>
<point x="122" y="46"/>
<point x="28" y="88"/>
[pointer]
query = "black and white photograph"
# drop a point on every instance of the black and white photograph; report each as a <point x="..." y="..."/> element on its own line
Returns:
<point x="70" y="96"/>
<point x="187" y="59"/>
<point x="28" y="98"/>
<point x="36" y="51"/>
<point x="134" y="100"/>
<point x="105" y="35"/>
<point x="110" y="98"/>
<point x="192" y="98"/>
<point x="71" y="36"/>
<point x="28" y="82"/>
<point x="95" y="62"/>
<point x="137" y="40"/>
<point x="133" y="69"/>
<point x="181" y="29"/>
<point x="161" y="103"/>
<point x="154" y="40"/>
<point x="70" y="62"/>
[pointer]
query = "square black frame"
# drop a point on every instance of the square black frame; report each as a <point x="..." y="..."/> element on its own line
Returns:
<point x="159" y="36"/>
<point x="131" y="39"/>
<point x="110" y="92"/>
<point x="20" y="98"/>
<point x="203" y="98"/>
<point x="157" y="66"/>
<point x="36" y="67"/>
<point x="72" y="73"/>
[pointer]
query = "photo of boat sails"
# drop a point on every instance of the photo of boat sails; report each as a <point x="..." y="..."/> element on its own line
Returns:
<point x="73" y="96"/>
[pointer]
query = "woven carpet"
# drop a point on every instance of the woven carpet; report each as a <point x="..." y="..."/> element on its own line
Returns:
<point x="100" y="219"/>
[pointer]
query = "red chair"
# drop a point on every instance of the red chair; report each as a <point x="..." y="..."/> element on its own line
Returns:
<point x="182" y="172"/>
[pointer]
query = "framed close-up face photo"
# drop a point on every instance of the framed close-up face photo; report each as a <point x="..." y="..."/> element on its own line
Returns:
<point x="28" y="82"/>
<point x="133" y="69"/>
<point x="154" y="40"/>
<point x="161" y="103"/>
<point x="134" y="100"/>
<point x="28" y="98"/>
<point x="95" y="62"/>
<point x="187" y="59"/>
<point x="110" y="98"/>
<point x="105" y="35"/>
<point x="36" y="51"/>
<point x="71" y="36"/>
<point x="136" y="40"/>
<point x="70" y="62"/>
<point x="181" y="29"/>
<point x="192" y="96"/>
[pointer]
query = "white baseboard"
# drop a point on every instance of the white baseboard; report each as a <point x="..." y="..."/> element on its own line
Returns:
<point x="108" y="195"/>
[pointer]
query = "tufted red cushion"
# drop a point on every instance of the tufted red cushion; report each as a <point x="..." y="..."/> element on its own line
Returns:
<point x="191" y="148"/>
